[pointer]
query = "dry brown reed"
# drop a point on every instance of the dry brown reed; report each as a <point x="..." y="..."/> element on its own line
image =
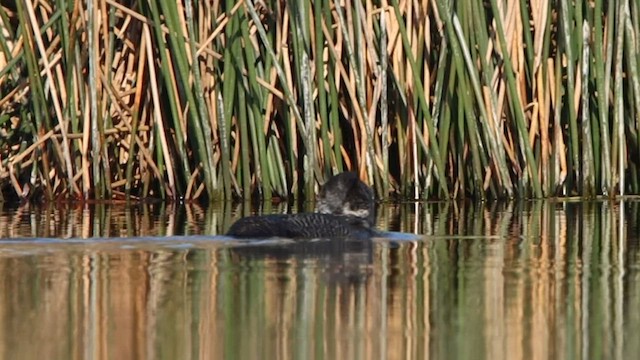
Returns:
<point x="182" y="100"/>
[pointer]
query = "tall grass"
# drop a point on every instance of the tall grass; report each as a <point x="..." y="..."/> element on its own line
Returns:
<point x="182" y="100"/>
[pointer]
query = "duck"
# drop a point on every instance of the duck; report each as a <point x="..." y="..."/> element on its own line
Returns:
<point x="345" y="208"/>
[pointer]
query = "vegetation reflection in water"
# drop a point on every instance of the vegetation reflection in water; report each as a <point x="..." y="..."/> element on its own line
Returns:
<point x="528" y="280"/>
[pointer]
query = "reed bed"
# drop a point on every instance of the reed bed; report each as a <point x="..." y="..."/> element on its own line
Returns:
<point x="104" y="99"/>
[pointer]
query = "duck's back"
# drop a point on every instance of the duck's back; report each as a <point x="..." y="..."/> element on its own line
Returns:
<point x="305" y="225"/>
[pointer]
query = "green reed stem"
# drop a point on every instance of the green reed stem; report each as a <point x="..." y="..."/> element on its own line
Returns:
<point x="320" y="85"/>
<point x="283" y="82"/>
<point x="566" y="33"/>
<point x="169" y="84"/>
<point x="632" y="60"/>
<point x="515" y="104"/>
<point x="588" y="161"/>
<point x="602" y="97"/>
<point x="334" y="107"/>
<point x="492" y="127"/>
<point x="225" y="104"/>
<point x="200" y="114"/>
<point x="256" y="119"/>
<point x="302" y="45"/>
<point x="384" y="104"/>
<point x="433" y="139"/>
<point x="238" y="87"/>
<point x="618" y="143"/>
<point x="179" y="55"/>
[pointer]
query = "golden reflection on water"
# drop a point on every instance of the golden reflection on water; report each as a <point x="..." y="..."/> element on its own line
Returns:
<point x="532" y="280"/>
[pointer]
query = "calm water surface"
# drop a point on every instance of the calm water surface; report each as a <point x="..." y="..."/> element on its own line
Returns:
<point x="534" y="280"/>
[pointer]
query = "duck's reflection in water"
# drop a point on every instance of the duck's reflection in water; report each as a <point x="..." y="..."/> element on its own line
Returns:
<point x="341" y="260"/>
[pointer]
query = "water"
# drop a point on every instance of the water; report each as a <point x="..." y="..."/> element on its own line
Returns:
<point x="531" y="280"/>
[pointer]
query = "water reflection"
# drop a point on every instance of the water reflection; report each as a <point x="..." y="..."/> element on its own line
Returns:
<point x="499" y="281"/>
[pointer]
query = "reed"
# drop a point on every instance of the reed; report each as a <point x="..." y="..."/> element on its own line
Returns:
<point x="184" y="100"/>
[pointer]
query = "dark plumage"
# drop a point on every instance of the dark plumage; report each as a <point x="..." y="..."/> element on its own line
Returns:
<point x="305" y="225"/>
<point x="345" y="208"/>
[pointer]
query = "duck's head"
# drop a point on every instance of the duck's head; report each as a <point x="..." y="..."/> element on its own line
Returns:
<point x="345" y="194"/>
